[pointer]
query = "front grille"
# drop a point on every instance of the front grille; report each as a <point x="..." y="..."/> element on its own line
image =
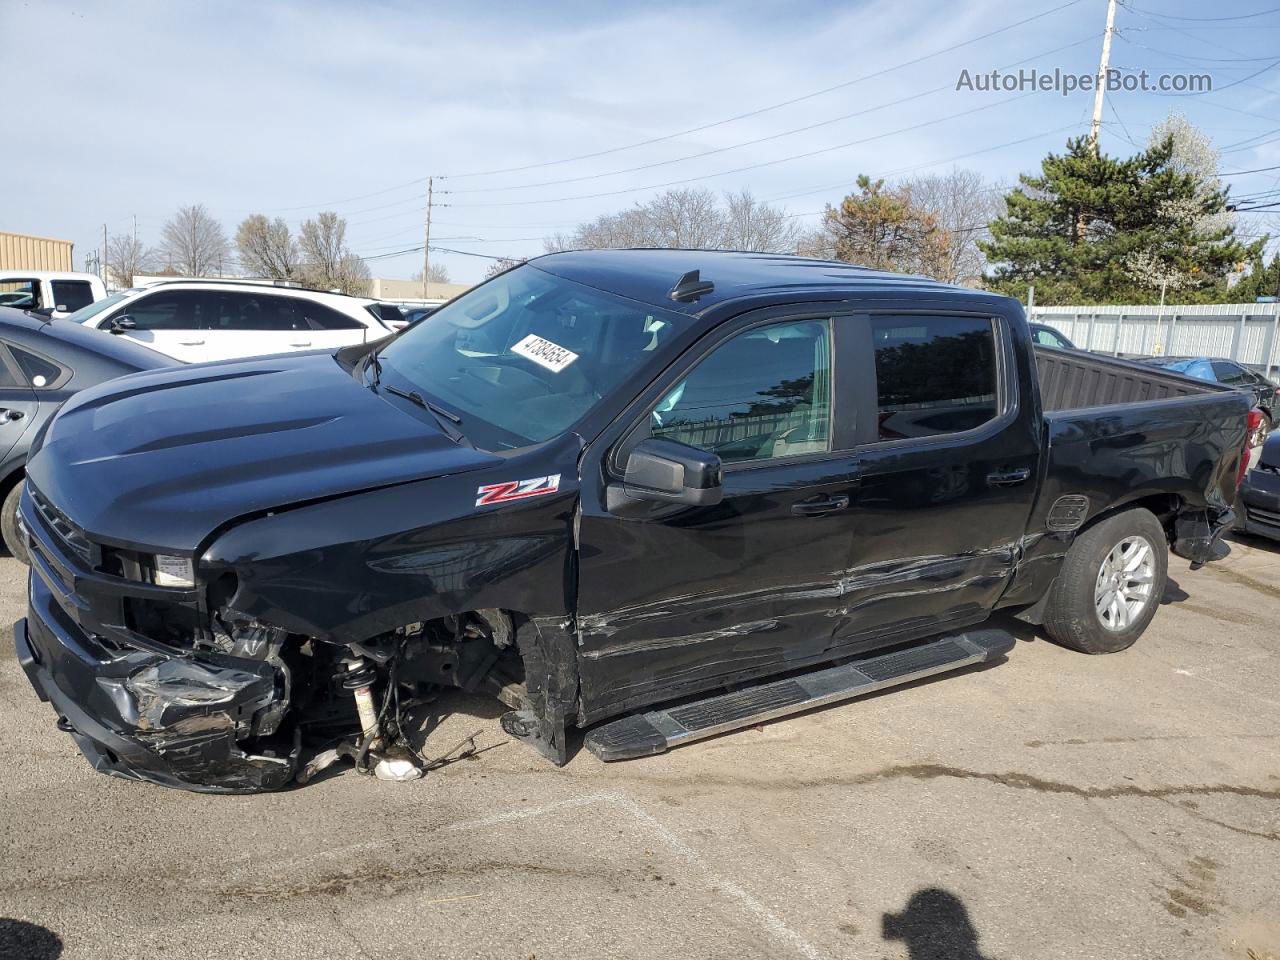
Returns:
<point x="68" y="536"/>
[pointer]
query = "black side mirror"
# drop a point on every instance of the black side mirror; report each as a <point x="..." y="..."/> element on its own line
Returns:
<point x="46" y="312"/>
<point x="122" y="324"/>
<point x="671" y="472"/>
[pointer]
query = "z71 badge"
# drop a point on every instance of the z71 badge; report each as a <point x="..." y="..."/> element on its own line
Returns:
<point x="509" y="490"/>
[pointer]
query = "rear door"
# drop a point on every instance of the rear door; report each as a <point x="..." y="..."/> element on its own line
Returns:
<point x="673" y="600"/>
<point x="948" y="460"/>
<point x="19" y="404"/>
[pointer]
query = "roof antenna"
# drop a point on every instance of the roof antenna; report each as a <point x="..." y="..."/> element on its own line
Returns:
<point x="689" y="288"/>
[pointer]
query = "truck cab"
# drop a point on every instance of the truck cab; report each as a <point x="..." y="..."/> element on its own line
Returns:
<point x="55" y="294"/>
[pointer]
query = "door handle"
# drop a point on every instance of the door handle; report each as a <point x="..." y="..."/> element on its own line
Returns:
<point x="191" y="343"/>
<point x="819" y="508"/>
<point x="12" y="414"/>
<point x="304" y="343"/>
<point x="1010" y="478"/>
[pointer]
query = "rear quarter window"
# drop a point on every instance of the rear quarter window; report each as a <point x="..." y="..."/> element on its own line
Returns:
<point x="72" y="295"/>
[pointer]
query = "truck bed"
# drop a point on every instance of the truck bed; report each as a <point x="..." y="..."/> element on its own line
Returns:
<point x="1074" y="380"/>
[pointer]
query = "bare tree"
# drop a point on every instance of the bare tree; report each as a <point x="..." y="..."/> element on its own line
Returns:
<point x="193" y="242"/>
<point x="126" y="257"/>
<point x="327" y="263"/>
<point x="962" y="203"/>
<point x="752" y="225"/>
<point x="266" y="247"/>
<point x="439" y="274"/>
<point x="501" y="265"/>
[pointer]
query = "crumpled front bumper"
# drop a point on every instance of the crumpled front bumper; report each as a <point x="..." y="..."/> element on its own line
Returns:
<point x="141" y="715"/>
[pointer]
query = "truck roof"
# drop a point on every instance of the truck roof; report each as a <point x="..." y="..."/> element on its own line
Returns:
<point x="649" y="275"/>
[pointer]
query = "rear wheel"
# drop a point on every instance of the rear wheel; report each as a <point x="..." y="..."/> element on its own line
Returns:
<point x="1262" y="432"/>
<point x="1111" y="583"/>
<point x="9" y="524"/>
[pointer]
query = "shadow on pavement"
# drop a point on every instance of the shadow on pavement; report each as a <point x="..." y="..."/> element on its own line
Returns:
<point x="20" y="940"/>
<point x="934" y="926"/>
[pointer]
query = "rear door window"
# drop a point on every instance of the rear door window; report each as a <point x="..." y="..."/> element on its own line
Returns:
<point x="247" y="312"/>
<point x="934" y="375"/>
<point x="72" y="295"/>
<point x="1232" y="374"/>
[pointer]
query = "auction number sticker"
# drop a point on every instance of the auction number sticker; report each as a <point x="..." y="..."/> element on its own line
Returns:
<point x="544" y="353"/>
<point x="516" y="490"/>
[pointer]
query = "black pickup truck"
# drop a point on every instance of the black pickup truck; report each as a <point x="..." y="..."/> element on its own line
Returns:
<point x="604" y="486"/>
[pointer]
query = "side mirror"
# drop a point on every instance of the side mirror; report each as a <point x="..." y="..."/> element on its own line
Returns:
<point x="46" y="312"/>
<point x="122" y="324"/>
<point x="671" y="472"/>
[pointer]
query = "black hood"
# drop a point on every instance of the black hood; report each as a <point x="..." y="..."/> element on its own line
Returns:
<point x="159" y="460"/>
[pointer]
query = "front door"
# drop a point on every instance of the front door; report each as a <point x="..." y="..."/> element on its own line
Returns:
<point x="949" y="468"/>
<point x="674" y="600"/>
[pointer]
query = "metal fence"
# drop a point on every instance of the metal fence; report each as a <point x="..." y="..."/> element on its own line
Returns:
<point x="1245" y="332"/>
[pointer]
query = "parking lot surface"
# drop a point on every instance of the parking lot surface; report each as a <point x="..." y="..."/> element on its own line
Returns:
<point x="1055" y="805"/>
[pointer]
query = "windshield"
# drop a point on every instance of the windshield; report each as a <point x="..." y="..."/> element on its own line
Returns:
<point x="527" y="353"/>
<point x="95" y="308"/>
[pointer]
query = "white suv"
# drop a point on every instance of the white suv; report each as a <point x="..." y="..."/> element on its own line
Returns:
<point x="201" y="320"/>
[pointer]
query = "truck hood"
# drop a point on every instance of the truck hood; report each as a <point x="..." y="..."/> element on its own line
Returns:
<point x="159" y="460"/>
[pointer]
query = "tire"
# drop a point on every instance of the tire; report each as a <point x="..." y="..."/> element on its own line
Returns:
<point x="9" y="525"/>
<point x="1102" y="558"/>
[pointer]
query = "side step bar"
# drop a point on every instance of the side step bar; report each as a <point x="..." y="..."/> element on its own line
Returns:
<point x="642" y="735"/>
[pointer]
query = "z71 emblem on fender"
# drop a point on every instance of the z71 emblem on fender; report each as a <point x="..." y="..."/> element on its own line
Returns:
<point x="516" y="490"/>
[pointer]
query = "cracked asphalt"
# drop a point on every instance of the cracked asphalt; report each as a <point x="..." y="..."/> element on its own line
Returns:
<point x="1053" y="806"/>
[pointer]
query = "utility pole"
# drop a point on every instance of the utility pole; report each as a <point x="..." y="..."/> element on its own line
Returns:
<point x="1102" y="76"/>
<point x="426" y="243"/>
<point x="102" y="261"/>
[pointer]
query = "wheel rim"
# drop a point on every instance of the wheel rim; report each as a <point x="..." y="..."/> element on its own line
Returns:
<point x="1125" y="583"/>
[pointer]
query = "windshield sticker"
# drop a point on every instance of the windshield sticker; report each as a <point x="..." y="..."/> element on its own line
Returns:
<point x="516" y="490"/>
<point x="544" y="353"/>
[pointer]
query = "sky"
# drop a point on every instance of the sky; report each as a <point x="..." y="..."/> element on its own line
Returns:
<point x="131" y="109"/>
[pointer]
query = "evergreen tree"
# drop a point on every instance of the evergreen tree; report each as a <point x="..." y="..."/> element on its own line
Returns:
<point x="1263" y="280"/>
<point x="1100" y="229"/>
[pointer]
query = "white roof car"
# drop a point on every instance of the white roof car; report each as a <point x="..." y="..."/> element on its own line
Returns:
<point x="201" y="320"/>
<point x="56" y="293"/>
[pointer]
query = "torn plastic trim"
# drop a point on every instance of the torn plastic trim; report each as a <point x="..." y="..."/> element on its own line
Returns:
<point x="1197" y="534"/>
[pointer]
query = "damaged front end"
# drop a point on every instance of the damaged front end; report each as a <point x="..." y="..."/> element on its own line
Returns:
<point x="172" y="685"/>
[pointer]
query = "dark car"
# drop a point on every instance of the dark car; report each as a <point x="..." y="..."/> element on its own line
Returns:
<point x="1259" y="503"/>
<point x="1219" y="370"/>
<point x="1043" y="335"/>
<point x="42" y="363"/>
<point x="601" y="486"/>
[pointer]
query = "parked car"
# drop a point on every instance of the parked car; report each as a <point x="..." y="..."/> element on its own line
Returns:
<point x="1259" y="504"/>
<point x="202" y="320"/>
<point x="1264" y="392"/>
<point x="42" y="363"/>
<point x="54" y="294"/>
<point x="1044" y="335"/>
<point x="598" y="483"/>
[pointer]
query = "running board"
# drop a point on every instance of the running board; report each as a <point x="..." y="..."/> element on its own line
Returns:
<point x="642" y="735"/>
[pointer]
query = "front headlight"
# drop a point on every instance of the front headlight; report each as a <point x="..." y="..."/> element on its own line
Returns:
<point x="173" y="571"/>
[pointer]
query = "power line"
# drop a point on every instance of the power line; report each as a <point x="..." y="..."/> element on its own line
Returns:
<point x="698" y="129"/>
<point x="1169" y="16"/>
<point x="752" y="166"/>
<point x="774" y="136"/>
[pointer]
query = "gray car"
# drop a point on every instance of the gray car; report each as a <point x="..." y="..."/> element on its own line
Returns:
<point x="42" y="363"/>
